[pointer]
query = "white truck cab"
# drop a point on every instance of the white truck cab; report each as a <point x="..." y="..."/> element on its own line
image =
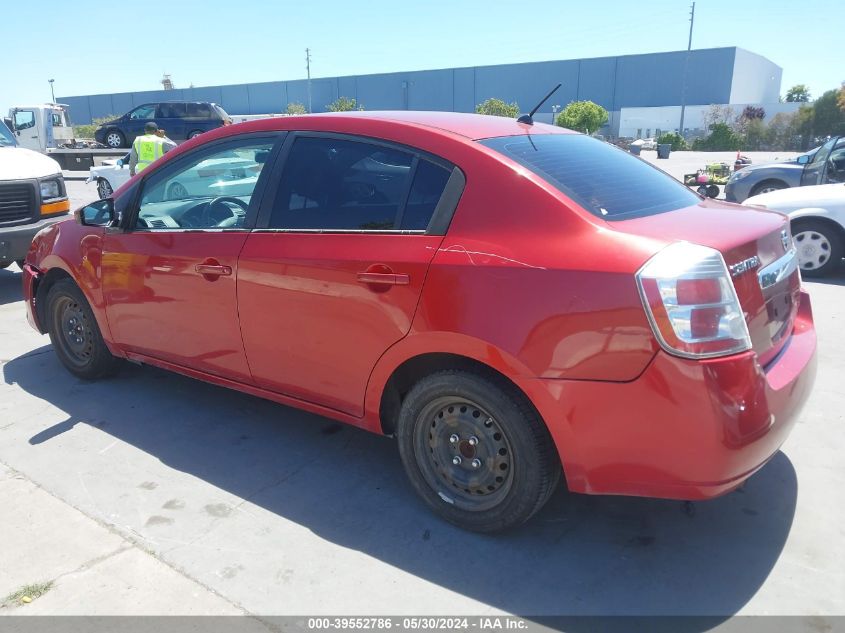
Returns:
<point x="41" y="127"/>
<point x="32" y="196"/>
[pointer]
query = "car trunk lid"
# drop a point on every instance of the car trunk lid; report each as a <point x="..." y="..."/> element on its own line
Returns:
<point x="757" y="247"/>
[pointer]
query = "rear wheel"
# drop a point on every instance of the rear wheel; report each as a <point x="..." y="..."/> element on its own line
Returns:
<point x="115" y="139"/>
<point x="712" y="191"/>
<point x="768" y="186"/>
<point x="475" y="451"/>
<point x="74" y="333"/>
<point x="819" y="247"/>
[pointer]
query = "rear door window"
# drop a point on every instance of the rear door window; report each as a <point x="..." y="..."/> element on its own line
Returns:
<point x="334" y="184"/>
<point x="171" y="110"/>
<point x="144" y="112"/>
<point x="199" y="111"/>
<point x="601" y="178"/>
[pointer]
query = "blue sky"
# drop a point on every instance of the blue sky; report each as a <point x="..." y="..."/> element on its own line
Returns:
<point x="122" y="47"/>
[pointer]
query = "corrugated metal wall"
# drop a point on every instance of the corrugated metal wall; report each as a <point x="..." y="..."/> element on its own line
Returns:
<point x="613" y="82"/>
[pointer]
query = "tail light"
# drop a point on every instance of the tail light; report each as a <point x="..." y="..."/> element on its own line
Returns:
<point x="691" y="302"/>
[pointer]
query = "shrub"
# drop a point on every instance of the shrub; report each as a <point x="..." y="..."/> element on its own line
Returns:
<point x="343" y="104"/>
<point x="296" y="108"/>
<point x="674" y="139"/>
<point x="87" y="131"/>
<point x="497" y="107"/>
<point x="582" y="116"/>
<point x="721" y="138"/>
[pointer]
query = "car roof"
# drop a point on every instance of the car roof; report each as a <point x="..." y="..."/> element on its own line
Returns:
<point x="470" y="126"/>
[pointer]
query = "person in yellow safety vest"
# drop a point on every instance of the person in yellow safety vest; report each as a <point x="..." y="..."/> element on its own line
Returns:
<point x="147" y="148"/>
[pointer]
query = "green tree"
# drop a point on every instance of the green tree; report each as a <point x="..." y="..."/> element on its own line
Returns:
<point x="828" y="119"/>
<point x="798" y="93"/>
<point x="87" y="131"/>
<point x="296" y="108"/>
<point x="583" y="116"/>
<point x="841" y="98"/>
<point x="721" y="139"/>
<point x="674" y="139"/>
<point x="343" y="104"/>
<point x="497" y="107"/>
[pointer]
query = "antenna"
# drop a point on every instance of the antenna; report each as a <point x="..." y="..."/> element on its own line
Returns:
<point x="528" y="118"/>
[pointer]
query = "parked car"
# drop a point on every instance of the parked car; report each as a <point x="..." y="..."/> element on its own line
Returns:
<point x="32" y="196"/>
<point x="223" y="175"/>
<point x="180" y="119"/>
<point x="818" y="166"/>
<point x="817" y="216"/>
<point x="645" y="143"/>
<point x="450" y="280"/>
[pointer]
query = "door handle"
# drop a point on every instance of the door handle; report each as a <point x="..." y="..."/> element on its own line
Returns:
<point x="213" y="270"/>
<point x="394" y="279"/>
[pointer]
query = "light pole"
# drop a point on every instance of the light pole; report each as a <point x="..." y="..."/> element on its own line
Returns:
<point x="308" y="68"/>
<point x="555" y="109"/>
<point x="52" y="94"/>
<point x="684" y="78"/>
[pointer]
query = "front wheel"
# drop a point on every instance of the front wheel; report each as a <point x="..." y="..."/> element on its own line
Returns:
<point x="476" y="451"/>
<point x="74" y="333"/>
<point x="104" y="189"/>
<point x="115" y="139"/>
<point x="819" y="247"/>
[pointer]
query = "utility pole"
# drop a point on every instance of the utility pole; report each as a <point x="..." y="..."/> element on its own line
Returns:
<point x="53" y="94"/>
<point x="686" y="64"/>
<point x="308" y="68"/>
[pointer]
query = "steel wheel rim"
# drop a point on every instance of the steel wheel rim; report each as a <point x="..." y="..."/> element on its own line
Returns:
<point x="813" y="249"/>
<point x="73" y="331"/>
<point x="113" y="139"/>
<point x="769" y="189"/>
<point x="105" y="189"/>
<point x="463" y="454"/>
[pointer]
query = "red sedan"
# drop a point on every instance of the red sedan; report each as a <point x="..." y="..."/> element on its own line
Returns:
<point x="513" y="302"/>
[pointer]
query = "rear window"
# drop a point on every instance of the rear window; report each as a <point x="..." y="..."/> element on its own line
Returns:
<point x="603" y="179"/>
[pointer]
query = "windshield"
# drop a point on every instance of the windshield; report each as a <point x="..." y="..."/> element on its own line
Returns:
<point x="603" y="179"/>
<point x="7" y="139"/>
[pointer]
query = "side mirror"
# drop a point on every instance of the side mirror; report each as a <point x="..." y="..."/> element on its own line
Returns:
<point x="803" y="159"/>
<point x="9" y="123"/>
<point x="99" y="213"/>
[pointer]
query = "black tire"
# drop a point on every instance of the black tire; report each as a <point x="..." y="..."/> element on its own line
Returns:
<point x="5" y="265"/>
<point x="115" y="139"/>
<point x="74" y="333"/>
<point x="767" y="186"/>
<point x="104" y="188"/>
<point x="518" y="467"/>
<point x="712" y="191"/>
<point x="819" y="247"/>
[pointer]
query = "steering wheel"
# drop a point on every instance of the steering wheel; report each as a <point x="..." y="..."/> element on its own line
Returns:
<point x="222" y="201"/>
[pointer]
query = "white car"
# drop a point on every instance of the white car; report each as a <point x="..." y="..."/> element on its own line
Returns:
<point x="817" y="217"/>
<point x="233" y="174"/>
<point x="109" y="176"/>
<point x="646" y="143"/>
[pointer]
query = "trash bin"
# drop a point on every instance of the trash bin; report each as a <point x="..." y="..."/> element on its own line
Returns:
<point x="635" y="149"/>
<point x="663" y="150"/>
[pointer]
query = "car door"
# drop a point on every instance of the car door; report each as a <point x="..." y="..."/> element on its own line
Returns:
<point x="135" y="121"/>
<point x="170" y="117"/>
<point x="332" y="275"/>
<point x="814" y="170"/>
<point x="169" y="274"/>
<point x="834" y="170"/>
<point x="26" y="129"/>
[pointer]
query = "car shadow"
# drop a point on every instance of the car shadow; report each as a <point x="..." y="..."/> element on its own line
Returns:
<point x="10" y="285"/>
<point x="580" y="555"/>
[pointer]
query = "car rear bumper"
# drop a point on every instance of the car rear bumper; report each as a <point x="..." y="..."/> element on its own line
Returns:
<point x="684" y="429"/>
<point x="15" y="240"/>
